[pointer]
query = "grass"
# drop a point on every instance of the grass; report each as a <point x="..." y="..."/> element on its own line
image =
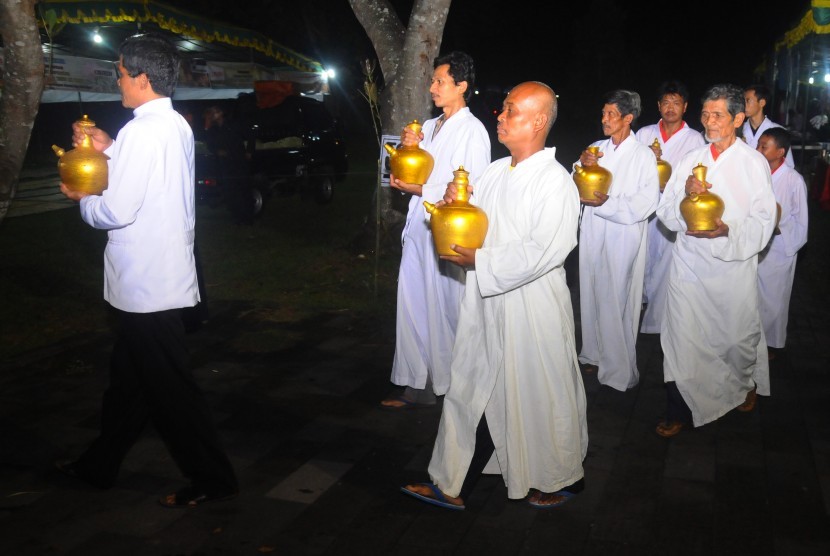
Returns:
<point x="298" y="260"/>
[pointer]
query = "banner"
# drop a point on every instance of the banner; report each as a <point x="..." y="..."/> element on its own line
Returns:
<point x="80" y="74"/>
<point x="95" y="79"/>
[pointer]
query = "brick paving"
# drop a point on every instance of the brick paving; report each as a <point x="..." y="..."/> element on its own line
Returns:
<point x="320" y="463"/>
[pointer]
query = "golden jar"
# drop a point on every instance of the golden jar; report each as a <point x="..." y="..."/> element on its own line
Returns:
<point x="83" y="168"/>
<point x="701" y="210"/>
<point x="663" y="168"/>
<point x="459" y="222"/>
<point x="591" y="178"/>
<point x="410" y="164"/>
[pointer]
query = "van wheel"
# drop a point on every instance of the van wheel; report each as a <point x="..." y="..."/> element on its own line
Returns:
<point x="258" y="201"/>
<point x="261" y="183"/>
<point x="322" y="186"/>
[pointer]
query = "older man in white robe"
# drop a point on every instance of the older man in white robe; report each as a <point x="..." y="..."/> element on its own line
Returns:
<point x="430" y="290"/>
<point x="715" y="354"/>
<point x="516" y="397"/>
<point x="675" y="138"/>
<point x="776" y="266"/>
<point x="612" y="246"/>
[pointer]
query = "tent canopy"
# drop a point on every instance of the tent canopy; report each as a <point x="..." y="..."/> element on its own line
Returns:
<point x="799" y="67"/>
<point x="218" y="60"/>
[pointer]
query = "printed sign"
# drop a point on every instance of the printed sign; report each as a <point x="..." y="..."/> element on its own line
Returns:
<point x="385" y="168"/>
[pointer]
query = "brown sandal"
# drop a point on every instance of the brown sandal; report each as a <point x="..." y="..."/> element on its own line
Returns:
<point x="667" y="429"/>
<point x="749" y="403"/>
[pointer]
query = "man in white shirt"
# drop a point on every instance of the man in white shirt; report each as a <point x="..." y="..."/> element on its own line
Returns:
<point x="516" y="399"/>
<point x="675" y="138"/>
<point x="149" y="277"/>
<point x="776" y="264"/>
<point x="612" y="246"/>
<point x="714" y="351"/>
<point x="429" y="290"/>
<point x="756" y="98"/>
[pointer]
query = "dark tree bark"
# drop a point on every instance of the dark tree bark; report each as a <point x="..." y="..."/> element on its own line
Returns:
<point x="22" y="87"/>
<point x="405" y="55"/>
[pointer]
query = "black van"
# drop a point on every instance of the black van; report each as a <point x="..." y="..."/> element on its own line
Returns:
<point x="296" y="146"/>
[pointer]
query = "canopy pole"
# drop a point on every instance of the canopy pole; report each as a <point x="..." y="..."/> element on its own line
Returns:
<point x="807" y="102"/>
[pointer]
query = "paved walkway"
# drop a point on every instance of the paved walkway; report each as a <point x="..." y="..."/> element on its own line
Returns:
<point x="320" y="463"/>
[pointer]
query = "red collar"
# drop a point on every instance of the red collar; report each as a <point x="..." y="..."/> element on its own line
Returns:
<point x="663" y="132"/>
<point x="714" y="151"/>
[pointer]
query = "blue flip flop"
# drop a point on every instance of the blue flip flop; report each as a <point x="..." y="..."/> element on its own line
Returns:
<point x="405" y="404"/>
<point x="567" y="496"/>
<point x="439" y="499"/>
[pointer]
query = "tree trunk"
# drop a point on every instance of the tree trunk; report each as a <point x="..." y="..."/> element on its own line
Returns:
<point x="405" y="56"/>
<point x="22" y="87"/>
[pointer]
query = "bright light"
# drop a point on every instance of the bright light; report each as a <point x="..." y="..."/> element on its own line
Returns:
<point x="96" y="37"/>
<point x="475" y="92"/>
<point x="827" y="77"/>
<point x="811" y="80"/>
<point x="330" y="73"/>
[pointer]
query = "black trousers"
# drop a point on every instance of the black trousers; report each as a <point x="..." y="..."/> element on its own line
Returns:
<point x="676" y="407"/>
<point x="150" y="379"/>
<point x="481" y="455"/>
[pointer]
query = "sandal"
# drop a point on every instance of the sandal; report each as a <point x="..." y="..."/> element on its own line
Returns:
<point x="667" y="429"/>
<point x="543" y="500"/>
<point x="399" y="402"/>
<point x="431" y="494"/>
<point x="749" y="403"/>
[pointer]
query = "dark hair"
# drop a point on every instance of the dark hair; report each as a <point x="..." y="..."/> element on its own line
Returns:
<point x="154" y="56"/>
<point x="462" y="68"/>
<point x="628" y="102"/>
<point x="732" y="94"/>
<point x="762" y="92"/>
<point x="781" y="137"/>
<point x="673" y="88"/>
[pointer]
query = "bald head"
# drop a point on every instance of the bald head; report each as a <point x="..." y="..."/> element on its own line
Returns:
<point x="528" y="114"/>
<point x="538" y="97"/>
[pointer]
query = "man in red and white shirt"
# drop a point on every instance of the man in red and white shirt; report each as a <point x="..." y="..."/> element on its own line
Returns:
<point x="675" y="139"/>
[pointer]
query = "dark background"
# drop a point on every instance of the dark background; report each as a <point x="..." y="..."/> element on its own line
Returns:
<point x="581" y="49"/>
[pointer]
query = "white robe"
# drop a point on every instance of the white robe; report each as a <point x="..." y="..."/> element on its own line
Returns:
<point x="752" y="138"/>
<point x="712" y="339"/>
<point x="658" y="254"/>
<point x="776" y="265"/>
<point x="515" y="355"/>
<point x="429" y="290"/>
<point x="612" y="260"/>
